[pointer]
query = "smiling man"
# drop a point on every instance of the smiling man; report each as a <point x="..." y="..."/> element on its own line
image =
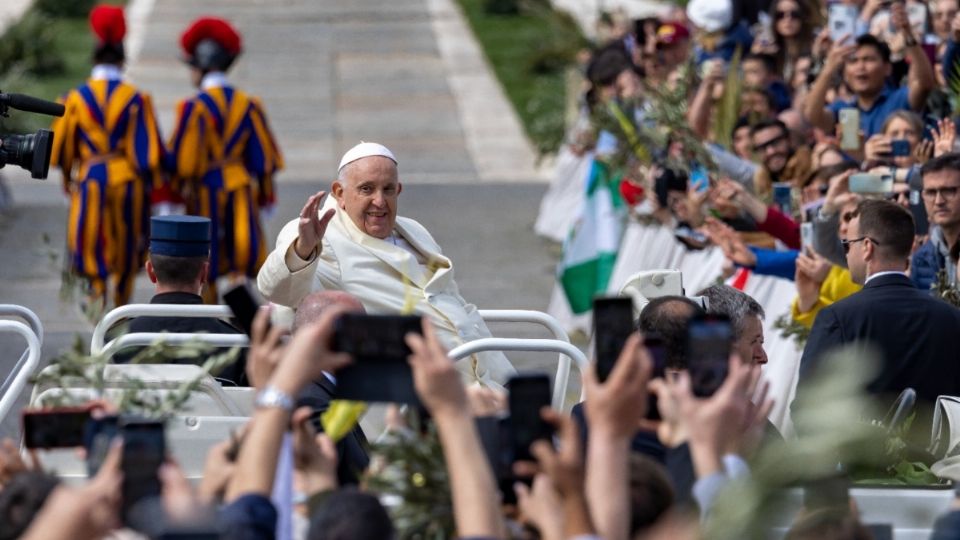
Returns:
<point x="866" y="67"/>
<point x="353" y="241"/>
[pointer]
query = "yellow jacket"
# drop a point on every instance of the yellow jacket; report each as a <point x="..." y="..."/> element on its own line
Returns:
<point x="837" y="286"/>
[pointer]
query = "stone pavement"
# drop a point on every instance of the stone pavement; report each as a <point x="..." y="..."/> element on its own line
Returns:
<point x="405" y="73"/>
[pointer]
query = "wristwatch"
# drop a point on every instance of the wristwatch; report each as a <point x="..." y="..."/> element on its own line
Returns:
<point x="271" y="397"/>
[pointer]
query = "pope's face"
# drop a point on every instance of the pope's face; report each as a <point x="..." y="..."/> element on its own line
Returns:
<point x="368" y="194"/>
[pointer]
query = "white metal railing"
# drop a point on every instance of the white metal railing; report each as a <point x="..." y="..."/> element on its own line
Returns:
<point x="562" y="379"/>
<point x="152" y="310"/>
<point x="27" y="365"/>
<point x="537" y="345"/>
<point x="143" y="339"/>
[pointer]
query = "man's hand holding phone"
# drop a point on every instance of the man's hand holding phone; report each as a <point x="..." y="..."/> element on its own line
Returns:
<point x="615" y="407"/>
<point x="434" y="376"/>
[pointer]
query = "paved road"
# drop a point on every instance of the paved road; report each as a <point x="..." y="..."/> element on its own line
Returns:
<point x="332" y="73"/>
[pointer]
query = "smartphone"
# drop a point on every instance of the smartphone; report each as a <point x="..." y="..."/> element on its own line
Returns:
<point x="699" y="179"/>
<point x="917" y="15"/>
<point x="708" y="344"/>
<point x="849" y="128"/>
<point x="806" y="236"/>
<point x="377" y="343"/>
<point x="244" y="306"/>
<point x="144" y="450"/>
<point x="783" y="197"/>
<point x="97" y="437"/>
<point x="59" y="427"/>
<point x="528" y="394"/>
<point x="612" y="325"/>
<point x="657" y="348"/>
<point x="871" y="183"/>
<point x="842" y="21"/>
<point x="899" y="147"/>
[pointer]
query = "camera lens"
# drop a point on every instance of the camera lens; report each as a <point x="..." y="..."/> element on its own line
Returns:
<point x="30" y="151"/>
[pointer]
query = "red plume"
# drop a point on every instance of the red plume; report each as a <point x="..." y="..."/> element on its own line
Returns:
<point x="213" y="28"/>
<point x="108" y="24"/>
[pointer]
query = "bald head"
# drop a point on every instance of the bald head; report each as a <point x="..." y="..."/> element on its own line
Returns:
<point x="314" y="304"/>
<point x="667" y="317"/>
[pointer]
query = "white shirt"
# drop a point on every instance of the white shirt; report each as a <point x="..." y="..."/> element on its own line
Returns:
<point x="214" y="79"/>
<point x="106" y="72"/>
<point x="885" y="273"/>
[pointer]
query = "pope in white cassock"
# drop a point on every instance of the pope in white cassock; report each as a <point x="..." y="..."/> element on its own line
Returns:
<point x="354" y="242"/>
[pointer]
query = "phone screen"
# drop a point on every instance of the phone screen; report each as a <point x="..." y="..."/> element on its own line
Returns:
<point x="658" y="354"/>
<point x="612" y="325"/>
<point x="377" y="343"/>
<point x="144" y="450"/>
<point x="97" y="438"/>
<point x="709" y="340"/>
<point x="899" y="147"/>
<point x="528" y="394"/>
<point x="244" y="306"/>
<point x="54" y="428"/>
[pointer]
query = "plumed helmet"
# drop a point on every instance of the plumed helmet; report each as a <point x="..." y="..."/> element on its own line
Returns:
<point x="210" y="43"/>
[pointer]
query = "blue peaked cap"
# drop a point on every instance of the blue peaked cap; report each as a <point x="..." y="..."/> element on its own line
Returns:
<point x="180" y="236"/>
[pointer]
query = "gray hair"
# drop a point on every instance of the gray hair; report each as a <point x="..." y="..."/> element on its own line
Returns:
<point x="737" y="305"/>
<point x="314" y="304"/>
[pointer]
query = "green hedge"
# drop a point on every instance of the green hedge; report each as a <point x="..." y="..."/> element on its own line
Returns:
<point x="530" y="46"/>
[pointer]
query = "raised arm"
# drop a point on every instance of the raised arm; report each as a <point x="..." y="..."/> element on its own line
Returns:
<point x="476" y="506"/>
<point x="920" y="79"/>
<point x="815" y="110"/>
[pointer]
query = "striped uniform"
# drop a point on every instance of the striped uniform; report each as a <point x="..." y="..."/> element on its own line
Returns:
<point x="224" y="157"/>
<point x="109" y="147"/>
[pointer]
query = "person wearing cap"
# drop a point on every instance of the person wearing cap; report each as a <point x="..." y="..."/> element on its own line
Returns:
<point x="178" y="265"/>
<point x="110" y="150"/>
<point x="673" y="45"/>
<point x="354" y="242"/>
<point x="223" y="154"/>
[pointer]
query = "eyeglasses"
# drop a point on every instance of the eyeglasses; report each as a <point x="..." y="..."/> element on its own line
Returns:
<point x="846" y="243"/>
<point x="795" y="15"/>
<point x="947" y="193"/>
<point x="759" y="148"/>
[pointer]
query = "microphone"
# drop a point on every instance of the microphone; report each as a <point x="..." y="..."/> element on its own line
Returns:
<point x="32" y="104"/>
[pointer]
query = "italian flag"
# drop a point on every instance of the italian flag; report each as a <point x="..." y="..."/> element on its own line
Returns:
<point x="591" y="248"/>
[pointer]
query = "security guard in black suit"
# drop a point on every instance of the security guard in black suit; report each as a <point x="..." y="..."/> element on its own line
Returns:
<point x="178" y="265"/>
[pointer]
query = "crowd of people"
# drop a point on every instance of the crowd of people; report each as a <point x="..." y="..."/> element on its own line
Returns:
<point x="839" y="172"/>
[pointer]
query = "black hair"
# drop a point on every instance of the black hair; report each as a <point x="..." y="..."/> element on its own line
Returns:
<point x="946" y="162"/>
<point x="829" y="171"/>
<point x="668" y="180"/>
<point x="769" y="61"/>
<point x="742" y="122"/>
<point x="667" y="317"/>
<point x="21" y="499"/>
<point x="890" y="225"/>
<point x="350" y="514"/>
<point x="869" y="40"/>
<point x="607" y="64"/>
<point x="769" y="123"/>
<point x="177" y="271"/>
<point x="109" y="53"/>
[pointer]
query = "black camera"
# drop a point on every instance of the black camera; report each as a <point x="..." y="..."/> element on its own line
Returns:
<point x="30" y="151"/>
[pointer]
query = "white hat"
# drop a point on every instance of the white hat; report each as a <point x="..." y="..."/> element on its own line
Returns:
<point x="365" y="149"/>
<point x="710" y="15"/>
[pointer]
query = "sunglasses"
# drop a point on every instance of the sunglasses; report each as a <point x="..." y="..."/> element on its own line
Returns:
<point x="763" y="146"/>
<point x="846" y="243"/>
<point x="789" y="14"/>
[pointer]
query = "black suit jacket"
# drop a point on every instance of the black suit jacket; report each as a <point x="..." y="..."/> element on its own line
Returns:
<point x="352" y="449"/>
<point x="916" y="333"/>
<point x="178" y="325"/>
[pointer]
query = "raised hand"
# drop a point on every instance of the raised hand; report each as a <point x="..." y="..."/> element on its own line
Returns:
<point x="944" y="137"/>
<point x="312" y="226"/>
<point x="266" y="349"/>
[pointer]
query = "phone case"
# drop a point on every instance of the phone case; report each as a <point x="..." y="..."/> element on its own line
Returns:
<point x="849" y="129"/>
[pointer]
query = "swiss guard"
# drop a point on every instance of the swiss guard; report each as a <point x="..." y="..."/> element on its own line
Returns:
<point x="109" y="147"/>
<point x="223" y="155"/>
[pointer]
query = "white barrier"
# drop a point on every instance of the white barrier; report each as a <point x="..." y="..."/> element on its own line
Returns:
<point x="650" y="247"/>
<point x="561" y="203"/>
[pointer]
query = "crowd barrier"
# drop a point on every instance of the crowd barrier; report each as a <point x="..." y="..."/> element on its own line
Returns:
<point x="652" y="247"/>
<point x="560" y="205"/>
